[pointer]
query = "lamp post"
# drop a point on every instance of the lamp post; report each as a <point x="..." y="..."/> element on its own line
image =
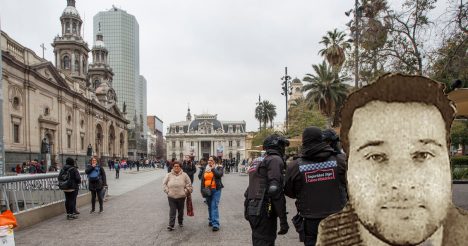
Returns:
<point x="287" y="90"/>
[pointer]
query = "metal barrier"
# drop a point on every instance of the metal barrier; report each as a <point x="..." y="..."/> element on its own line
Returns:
<point x="29" y="191"/>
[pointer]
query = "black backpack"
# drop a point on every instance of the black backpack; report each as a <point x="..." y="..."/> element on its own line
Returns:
<point x="64" y="180"/>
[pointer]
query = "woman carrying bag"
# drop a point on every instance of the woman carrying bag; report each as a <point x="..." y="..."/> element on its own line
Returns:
<point x="211" y="190"/>
<point x="177" y="186"/>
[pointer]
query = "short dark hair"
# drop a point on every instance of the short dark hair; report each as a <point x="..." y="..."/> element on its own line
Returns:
<point x="397" y="88"/>
<point x="175" y="163"/>
<point x="215" y="158"/>
<point x="69" y="161"/>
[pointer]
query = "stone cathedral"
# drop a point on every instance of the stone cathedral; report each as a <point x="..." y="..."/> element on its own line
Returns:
<point x="71" y="105"/>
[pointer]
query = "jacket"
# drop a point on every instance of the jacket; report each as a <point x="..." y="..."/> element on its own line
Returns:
<point x="75" y="177"/>
<point x="189" y="168"/>
<point x="455" y="231"/>
<point x="218" y="172"/>
<point x="318" y="183"/>
<point x="98" y="184"/>
<point x="177" y="185"/>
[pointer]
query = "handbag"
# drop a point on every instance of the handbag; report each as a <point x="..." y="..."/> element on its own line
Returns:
<point x="189" y="206"/>
<point x="206" y="191"/>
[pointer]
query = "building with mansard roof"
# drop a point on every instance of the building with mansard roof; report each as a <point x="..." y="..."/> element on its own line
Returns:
<point x="205" y="135"/>
<point x="69" y="106"/>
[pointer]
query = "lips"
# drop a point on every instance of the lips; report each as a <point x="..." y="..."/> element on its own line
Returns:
<point x="402" y="206"/>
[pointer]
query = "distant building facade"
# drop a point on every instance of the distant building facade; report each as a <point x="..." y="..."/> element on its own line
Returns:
<point x="69" y="106"/>
<point x="204" y="136"/>
<point x="156" y="126"/>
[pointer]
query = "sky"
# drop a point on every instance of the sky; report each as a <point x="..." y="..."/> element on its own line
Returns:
<point x="217" y="56"/>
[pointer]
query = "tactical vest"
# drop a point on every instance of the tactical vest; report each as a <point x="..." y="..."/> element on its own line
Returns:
<point x="258" y="179"/>
<point x="320" y="195"/>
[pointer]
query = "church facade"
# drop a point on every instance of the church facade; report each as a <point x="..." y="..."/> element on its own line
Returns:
<point x="204" y="136"/>
<point x="70" y="106"/>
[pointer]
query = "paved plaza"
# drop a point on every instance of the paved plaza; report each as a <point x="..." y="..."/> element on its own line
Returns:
<point x="136" y="213"/>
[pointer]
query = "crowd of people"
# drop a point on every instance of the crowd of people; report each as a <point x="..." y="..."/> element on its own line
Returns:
<point x="32" y="167"/>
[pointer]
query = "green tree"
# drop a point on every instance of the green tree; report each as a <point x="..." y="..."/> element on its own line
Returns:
<point x="302" y="115"/>
<point x="335" y="45"/>
<point x="325" y="89"/>
<point x="459" y="134"/>
<point x="261" y="135"/>
<point x="265" y="112"/>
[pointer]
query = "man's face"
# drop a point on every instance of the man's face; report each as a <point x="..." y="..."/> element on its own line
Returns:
<point x="399" y="170"/>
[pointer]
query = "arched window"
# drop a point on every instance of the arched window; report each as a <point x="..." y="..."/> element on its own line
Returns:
<point x="173" y="155"/>
<point x="77" y="65"/>
<point x="84" y="66"/>
<point x="67" y="27"/>
<point x="74" y="28"/>
<point x="66" y="62"/>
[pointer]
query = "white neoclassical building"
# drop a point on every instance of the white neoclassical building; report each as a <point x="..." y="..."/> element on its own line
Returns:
<point x="205" y="135"/>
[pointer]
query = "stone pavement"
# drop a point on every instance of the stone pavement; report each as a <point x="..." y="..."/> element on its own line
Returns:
<point x="137" y="214"/>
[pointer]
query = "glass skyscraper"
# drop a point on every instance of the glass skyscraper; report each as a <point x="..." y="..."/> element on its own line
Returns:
<point x="121" y="36"/>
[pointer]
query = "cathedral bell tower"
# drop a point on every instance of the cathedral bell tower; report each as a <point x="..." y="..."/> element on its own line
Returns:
<point x="71" y="51"/>
<point x="100" y="73"/>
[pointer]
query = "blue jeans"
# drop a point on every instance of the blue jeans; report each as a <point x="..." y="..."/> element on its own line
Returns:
<point x="213" y="211"/>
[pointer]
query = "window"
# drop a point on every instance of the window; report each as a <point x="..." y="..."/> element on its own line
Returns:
<point x="66" y="63"/>
<point x="181" y="144"/>
<point x="173" y="155"/>
<point x="173" y="145"/>
<point x="67" y="27"/>
<point x="46" y="111"/>
<point x="16" y="102"/>
<point x="74" y="28"/>
<point x="82" y="123"/>
<point x="191" y="143"/>
<point x="69" y="119"/>
<point x="238" y="143"/>
<point x="230" y="143"/>
<point x="69" y="141"/>
<point x="181" y="155"/>
<point x="16" y="137"/>
<point x="82" y="142"/>
<point x="77" y="65"/>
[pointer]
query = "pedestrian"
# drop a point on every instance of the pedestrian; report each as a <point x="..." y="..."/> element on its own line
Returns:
<point x="138" y="165"/>
<point x="202" y="168"/>
<point x="318" y="183"/>
<point x="265" y="201"/>
<point x="190" y="169"/>
<point x="69" y="181"/>
<point x="117" y="169"/>
<point x="96" y="182"/>
<point x="18" y="169"/>
<point x="211" y="179"/>
<point x="177" y="186"/>
<point x="169" y="165"/>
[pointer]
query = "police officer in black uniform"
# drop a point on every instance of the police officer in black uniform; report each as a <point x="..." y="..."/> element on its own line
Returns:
<point x="317" y="180"/>
<point x="265" y="201"/>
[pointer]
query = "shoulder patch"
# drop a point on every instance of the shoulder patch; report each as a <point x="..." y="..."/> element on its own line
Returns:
<point x="305" y="167"/>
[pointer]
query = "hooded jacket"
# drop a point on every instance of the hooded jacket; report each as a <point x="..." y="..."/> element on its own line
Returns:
<point x="317" y="181"/>
<point x="98" y="184"/>
<point x="75" y="177"/>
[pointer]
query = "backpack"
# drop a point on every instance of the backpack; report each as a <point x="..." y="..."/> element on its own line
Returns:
<point x="95" y="175"/>
<point x="116" y="166"/>
<point x="64" y="180"/>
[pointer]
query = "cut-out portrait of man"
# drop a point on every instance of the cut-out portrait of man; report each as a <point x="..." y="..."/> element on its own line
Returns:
<point x="396" y="134"/>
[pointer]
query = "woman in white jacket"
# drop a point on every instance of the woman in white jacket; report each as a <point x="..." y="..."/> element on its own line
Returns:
<point x="177" y="186"/>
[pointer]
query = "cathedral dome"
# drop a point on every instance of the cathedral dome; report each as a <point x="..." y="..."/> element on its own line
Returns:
<point x="70" y="10"/>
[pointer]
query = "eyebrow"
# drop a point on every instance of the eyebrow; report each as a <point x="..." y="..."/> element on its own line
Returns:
<point x="370" y="143"/>
<point x="430" y="141"/>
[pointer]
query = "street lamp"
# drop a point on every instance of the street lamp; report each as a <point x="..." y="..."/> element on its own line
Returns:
<point x="355" y="29"/>
<point x="287" y="90"/>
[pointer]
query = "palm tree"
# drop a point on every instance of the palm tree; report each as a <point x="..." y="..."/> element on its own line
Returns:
<point x="325" y="88"/>
<point x="269" y="113"/>
<point x="335" y="46"/>
<point x="259" y="115"/>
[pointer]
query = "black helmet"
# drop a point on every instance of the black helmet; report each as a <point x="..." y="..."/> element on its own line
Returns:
<point x="329" y="135"/>
<point x="274" y="141"/>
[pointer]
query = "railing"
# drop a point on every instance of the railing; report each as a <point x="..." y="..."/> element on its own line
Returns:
<point x="26" y="192"/>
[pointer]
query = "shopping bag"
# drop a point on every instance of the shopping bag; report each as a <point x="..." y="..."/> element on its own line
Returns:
<point x="189" y="206"/>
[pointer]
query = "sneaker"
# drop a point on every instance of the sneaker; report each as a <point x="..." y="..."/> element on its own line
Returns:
<point x="181" y="225"/>
<point x="170" y="228"/>
<point x="101" y="211"/>
<point x="215" y="229"/>
<point x="209" y="224"/>
<point x="76" y="212"/>
<point x="71" y="217"/>
<point x="92" y="211"/>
